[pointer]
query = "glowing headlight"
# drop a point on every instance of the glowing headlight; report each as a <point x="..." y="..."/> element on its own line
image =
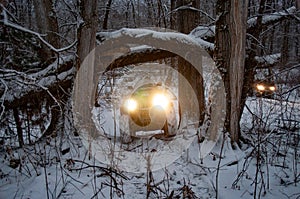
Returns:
<point x="272" y="88"/>
<point x="130" y="104"/>
<point x="260" y="87"/>
<point x="160" y="100"/>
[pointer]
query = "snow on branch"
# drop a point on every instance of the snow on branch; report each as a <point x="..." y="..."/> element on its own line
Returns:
<point x="189" y="7"/>
<point x="269" y="18"/>
<point x="2" y="97"/>
<point x="203" y="32"/>
<point x="8" y="23"/>
<point x="15" y="85"/>
<point x="157" y="34"/>
<point x="268" y="60"/>
<point x="206" y="32"/>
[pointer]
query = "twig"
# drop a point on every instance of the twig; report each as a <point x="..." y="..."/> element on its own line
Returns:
<point x="3" y="97"/>
<point x="99" y="167"/>
<point x="18" y="27"/>
<point x="218" y="167"/>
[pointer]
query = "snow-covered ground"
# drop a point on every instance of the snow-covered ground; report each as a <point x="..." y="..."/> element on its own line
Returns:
<point x="266" y="164"/>
<point x="270" y="168"/>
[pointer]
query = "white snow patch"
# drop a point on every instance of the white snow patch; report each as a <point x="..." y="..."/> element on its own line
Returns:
<point x="268" y="59"/>
<point x="272" y="17"/>
<point x="203" y="32"/>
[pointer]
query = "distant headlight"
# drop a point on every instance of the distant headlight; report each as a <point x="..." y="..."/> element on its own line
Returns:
<point x="260" y="87"/>
<point x="161" y="100"/>
<point x="272" y="88"/>
<point x="130" y="105"/>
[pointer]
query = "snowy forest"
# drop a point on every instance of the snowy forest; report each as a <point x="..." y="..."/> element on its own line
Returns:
<point x="149" y="99"/>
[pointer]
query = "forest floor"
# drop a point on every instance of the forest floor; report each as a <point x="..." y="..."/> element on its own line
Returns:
<point x="266" y="164"/>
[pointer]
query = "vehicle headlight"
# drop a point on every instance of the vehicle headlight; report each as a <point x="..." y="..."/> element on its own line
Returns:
<point x="260" y="87"/>
<point x="161" y="100"/>
<point x="272" y="88"/>
<point x="130" y="104"/>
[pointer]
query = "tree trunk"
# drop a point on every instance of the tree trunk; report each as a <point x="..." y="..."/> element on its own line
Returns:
<point x="47" y="24"/>
<point x="87" y="30"/>
<point x="222" y="50"/>
<point x="285" y="44"/>
<point x="237" y="30"/>
<point x="106" y="15"/>
<point x="298" y="4"/>
<point x="18" y="126"/>
<point x="250" y="61"/>
<point x="187" y="20"/>
<point x="86" y="43"/>
<point x="150" y="13"/>
<point x="172" y="15"/>
<point x="230" y="58"/>
<point x="133" y="13"/>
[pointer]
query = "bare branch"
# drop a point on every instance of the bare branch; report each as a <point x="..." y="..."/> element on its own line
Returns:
<point x="207" y="32"/>
<point x="272" y="18"/>
<point x="20" y="84"/>
<point x="38" y="35"/>
<point x="3" y="97"/>
<point x="188" y="7"/>
<point x="267" y="61"/>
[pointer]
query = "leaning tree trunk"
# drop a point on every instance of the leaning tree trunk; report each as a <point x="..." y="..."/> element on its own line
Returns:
<point x="230" y="58"/>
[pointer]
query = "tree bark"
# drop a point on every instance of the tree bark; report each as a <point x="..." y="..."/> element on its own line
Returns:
<point x="19" y="127"/>
<point x="172" y="15"/>
<point x="230" y="58"/>
<point x="222" y="50"/>
<point x="187" y="20"/>
<point x="87" y="30"/>
<point x="149" y="13"/>
<point x="237" y="28"/>
<point x="106" y="15"/>
<point x="86" y="43"/>
<point x="47" y="24"/>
